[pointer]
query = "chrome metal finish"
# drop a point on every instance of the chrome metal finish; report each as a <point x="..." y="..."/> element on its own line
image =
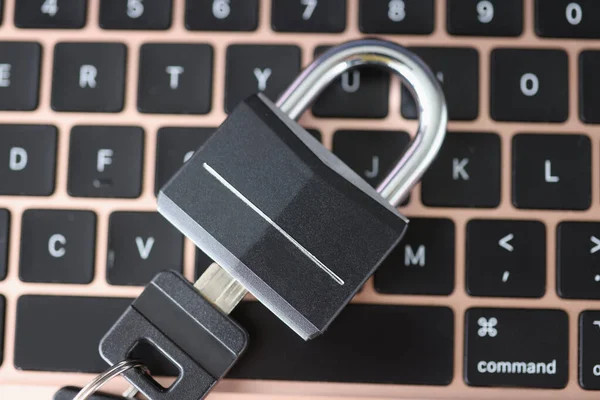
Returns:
<point x="417" y="77"/>
<point x="109" y="374"/>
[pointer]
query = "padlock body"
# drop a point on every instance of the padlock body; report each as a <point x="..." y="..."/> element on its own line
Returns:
<point x="296" y="226"/>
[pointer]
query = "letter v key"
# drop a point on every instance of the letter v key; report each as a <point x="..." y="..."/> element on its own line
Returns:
<point x="144" y="248"/>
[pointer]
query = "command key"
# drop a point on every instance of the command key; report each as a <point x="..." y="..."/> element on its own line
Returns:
<point x="516" y="348"/>
<point x="589" y="350"/>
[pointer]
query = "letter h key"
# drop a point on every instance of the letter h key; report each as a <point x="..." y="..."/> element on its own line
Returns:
<point x="281" y="216"/>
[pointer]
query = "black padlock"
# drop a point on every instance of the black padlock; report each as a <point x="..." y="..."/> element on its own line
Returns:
<point x="284" y="216"/>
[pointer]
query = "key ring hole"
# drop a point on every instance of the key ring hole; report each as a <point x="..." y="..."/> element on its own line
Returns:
<point x="162" y="367"/>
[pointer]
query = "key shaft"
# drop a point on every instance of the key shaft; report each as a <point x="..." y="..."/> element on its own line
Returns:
<point x="220" y="288"/>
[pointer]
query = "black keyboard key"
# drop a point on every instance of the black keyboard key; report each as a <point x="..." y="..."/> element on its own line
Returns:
<point x="316" y="134"/>
<point x="135" y="14"/>
<point x="589" y="84"/>
<point x="4" y="236"/>
<point x="174" y="147"/>
<point x="567" y="18"/>
<point x="386" y="344"/>
<point x="423" y="262"/>
<point x="221" y="15"/>
<point x="69" y="393"/>
<point x="62" y="333"/>
<point x="27" y="159"/>
<point x="371" y="154"/>
<point x="466" y="172"/>
<point x="19" y="75"/>
<point x="396" y="16"/>
<point x="506" y="258"/>
<point x="50" y="14"/>
<point x="458" y="71"/>
<point x="175" y="78"/>
<point x="516" y="348"/>
<point x="308" y="16"/>
<point x="259" y="68"/>
<point x="552" y="171"/>
<point x="57" y="246"/>
<point x="529" y="85"/>
<point x="485" y="17"/>
<point x="89" y="77"/>
<point x="589" y="350"/>
<point x="140" y="245"/>
<point x="106" y="161"/>
<point x="2" y="312"/>
<point x="577" y="260"/>
<point x="360" y="93"/>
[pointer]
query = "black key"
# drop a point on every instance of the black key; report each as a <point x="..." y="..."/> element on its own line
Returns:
<point x="552" y="171"/>
<point x="259" y="68"/>
<point x="589" y="82"/>
<point x="360" y="93"/>
<point x="506" y="258"/>
<point x="106" y="161"/>
<point x="360" y="346"/>
<point x="466" y="172"/>
<point x="4" y="237"/>
<point x="423" y="262"/>
<point x="371" y="154"/>
<point x="589" y="350"/>
<point x="485" y="18"/>
<point x="72" y="325"/>
<point x="315" y="133"/>
<point x="2" y="311"/>
<point x="57" y="246"/>
<point x="396" y="16"/>
<point x="135" y="14"/>
<point x="173" y="148"/>
<point x="308" y="16"/>
<point x="50" y="14"/>
<point x="19" y="75"/>
<point x="221" y="15"/>
<point x="529" y="85"/>
<point x="89" y="77"/>
<point x="567" y="18"/>
<point x="202" y="262"/>
<point x="140" y="245"/>
<point x="577" y="260"/>
<point x="27" y="159"/>
<point x="175" y="78"/>
<point x="69" y="393"/>
<point x="516" y="348"/>
<point x="458" y="71"/>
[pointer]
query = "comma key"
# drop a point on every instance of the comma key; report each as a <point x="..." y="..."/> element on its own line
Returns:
<point x="516" y="348"/>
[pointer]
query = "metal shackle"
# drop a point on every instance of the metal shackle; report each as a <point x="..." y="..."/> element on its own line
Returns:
<point x="416" y="76"/>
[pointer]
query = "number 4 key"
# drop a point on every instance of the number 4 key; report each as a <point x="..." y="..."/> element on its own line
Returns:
<point x="282" y="217"/>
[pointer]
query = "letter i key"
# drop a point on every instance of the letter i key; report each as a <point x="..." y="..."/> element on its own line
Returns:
<point x="282" y="217"/>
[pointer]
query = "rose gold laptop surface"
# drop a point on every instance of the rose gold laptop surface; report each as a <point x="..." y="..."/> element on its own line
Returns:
<point x="492" y="293"/>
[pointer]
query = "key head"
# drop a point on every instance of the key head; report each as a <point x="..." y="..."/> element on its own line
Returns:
<point x="297" y="227"/>
<point x="174" y="318"/>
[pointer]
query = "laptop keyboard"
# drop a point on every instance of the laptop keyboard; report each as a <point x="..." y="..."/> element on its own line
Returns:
<point x="497" y="282"/>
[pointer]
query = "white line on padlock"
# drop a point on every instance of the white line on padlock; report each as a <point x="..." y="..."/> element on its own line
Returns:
<point x="240" y="196"/>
